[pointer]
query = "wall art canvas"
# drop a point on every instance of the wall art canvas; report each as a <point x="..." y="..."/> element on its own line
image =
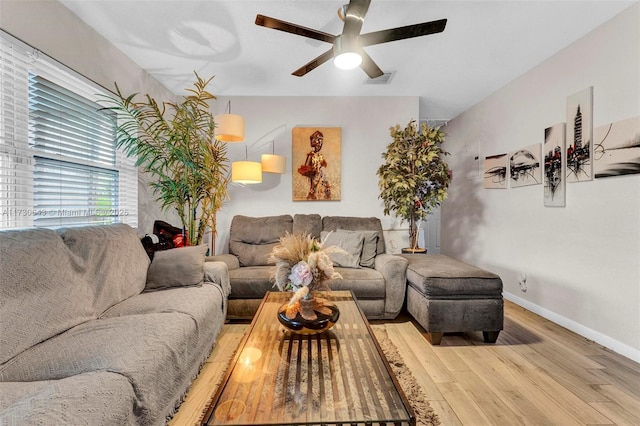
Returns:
<point x="579" y="138"/>
<point x="495" y="171"/>
<point x="316" y="160"/>
<point x="617" y="148"/>
<point x="525" y="166"/>
<point x="554" y="166"/>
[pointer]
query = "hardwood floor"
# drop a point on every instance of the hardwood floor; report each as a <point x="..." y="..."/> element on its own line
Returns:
<point x="536" y="373"/>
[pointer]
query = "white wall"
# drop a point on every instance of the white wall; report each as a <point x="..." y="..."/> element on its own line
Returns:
<point x="583" y="260"/>
<point x="365" y="123"/>
<point x="54" y="30"/>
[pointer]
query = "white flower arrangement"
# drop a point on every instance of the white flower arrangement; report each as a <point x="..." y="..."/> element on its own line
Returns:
<point x="303" y="265"/>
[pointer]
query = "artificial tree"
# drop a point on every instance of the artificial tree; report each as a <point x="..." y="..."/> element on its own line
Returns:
<point x="414" y="177"/>
<point x="174" y="142"/>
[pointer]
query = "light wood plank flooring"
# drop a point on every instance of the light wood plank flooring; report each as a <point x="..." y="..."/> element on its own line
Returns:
<point x="536" y="373"/>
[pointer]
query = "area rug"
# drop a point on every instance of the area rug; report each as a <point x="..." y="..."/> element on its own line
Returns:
<point x="425" y="416"/>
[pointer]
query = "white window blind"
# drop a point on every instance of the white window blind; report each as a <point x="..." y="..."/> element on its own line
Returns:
<point x="75" y="174"/>
<point x="16" y="160"/>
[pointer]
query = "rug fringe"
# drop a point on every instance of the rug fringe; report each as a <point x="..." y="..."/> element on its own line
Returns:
<point x="425" y="416"/>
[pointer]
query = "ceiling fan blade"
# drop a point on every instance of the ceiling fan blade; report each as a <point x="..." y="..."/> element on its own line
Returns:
<point x="314" y="63"/>
<point x="369" y="66"/>
<point x="355" y="17"/>
<point x="288" y="27"/>
<point x="401" y="33"/>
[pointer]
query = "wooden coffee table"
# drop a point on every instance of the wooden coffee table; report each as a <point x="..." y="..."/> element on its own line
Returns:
<point x="339" y="377"/>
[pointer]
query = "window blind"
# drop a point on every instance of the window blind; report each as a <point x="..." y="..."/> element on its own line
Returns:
<point x="64" y="123"/>
<point x="67" y="171"/>
<point x="68" y="194"/>
<point x="16" y="160"/>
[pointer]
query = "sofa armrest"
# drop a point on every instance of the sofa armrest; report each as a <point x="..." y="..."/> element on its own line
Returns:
<point x="216" y="272"/>
<point x="394" y="270"/>
<point x="230" y="260"/>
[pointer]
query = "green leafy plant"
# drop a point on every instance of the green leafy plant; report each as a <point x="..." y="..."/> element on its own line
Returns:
<point x="175" y="143"/>
<point x="414" y="177"/>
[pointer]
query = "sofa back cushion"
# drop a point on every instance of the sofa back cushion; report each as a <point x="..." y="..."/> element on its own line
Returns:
<point x="251" y="239"/>
<point x="352" y="223"/>
<point x="310" y="224"/>
<point x="113" y="262"/>
<point x="42" y="291"/>
<point x="351" y="244"/>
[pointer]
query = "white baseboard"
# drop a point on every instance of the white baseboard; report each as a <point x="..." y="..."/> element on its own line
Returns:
<point x="602" y="339"/>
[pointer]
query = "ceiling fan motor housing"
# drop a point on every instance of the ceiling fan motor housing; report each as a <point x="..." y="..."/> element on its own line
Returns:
<point x="347" y="52"/>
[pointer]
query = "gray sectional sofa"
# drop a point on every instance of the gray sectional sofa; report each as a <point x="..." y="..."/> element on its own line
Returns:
<point x="378" y="281"/>
<point x="85" y="341"/>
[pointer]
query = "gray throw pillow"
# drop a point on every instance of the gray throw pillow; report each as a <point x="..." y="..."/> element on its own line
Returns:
<point x="369" y="246"/>
<point x="351" y="243"/>
<point x="178" y="267"/>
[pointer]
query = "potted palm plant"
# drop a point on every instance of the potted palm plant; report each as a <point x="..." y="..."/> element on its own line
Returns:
<point x="414" y="177"/>
<point x="174" y="142"/>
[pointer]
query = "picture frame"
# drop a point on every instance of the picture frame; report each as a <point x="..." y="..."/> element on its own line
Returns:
<point x="316" y="162"/>
<point x="617" y="148"/>
<point x="554" y="166"/>
<point x="579" y="136"/>
<point x="525" y="166"/>
<point x="495" y="171"/>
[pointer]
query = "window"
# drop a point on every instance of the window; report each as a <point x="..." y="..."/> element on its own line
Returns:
<point x="59" y="165"/>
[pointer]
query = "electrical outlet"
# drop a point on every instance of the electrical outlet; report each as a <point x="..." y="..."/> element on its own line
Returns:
<point x="522" y="281"/>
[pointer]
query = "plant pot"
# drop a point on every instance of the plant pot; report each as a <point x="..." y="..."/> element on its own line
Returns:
<point x="309" y="316"/>
<point x="417" y="250"/>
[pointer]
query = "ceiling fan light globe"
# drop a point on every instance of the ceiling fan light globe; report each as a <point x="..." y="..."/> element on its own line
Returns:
<point x="347" y="60"/>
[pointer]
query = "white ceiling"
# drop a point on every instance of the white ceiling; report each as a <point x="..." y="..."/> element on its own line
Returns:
<point x="485" y="45"/>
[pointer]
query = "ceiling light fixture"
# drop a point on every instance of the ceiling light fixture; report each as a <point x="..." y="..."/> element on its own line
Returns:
<point x="229" y="127"/>
<point x="345" y="51"/>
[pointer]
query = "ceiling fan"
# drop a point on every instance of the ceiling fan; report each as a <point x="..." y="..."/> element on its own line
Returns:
<point x="349" y="44"/>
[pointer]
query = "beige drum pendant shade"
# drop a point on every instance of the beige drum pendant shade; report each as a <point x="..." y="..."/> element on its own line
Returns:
<point x="247" y="172"/>
<point x="229" y="128"/>
<point x="273" y="163"/>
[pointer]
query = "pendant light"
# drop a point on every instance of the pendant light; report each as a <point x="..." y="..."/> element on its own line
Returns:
<point x="247" y="172"/>
<point x="272" y="163"/>
<point x="229" y="127"/>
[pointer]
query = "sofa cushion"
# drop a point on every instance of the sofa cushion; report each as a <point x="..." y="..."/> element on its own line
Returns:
<point x="178" y="267"/>
<point x="113" y="261"/>
<point x="332" y="223"/>
<point x="200" y="303"/>
<point x="369" y="247"/>
<point x="251" y="282"/>
<point x="98" y="399"/>
<point x="42" y="292"/>
<point x="351" y="243"/>
<point x="154" y="352"/>
<point x="364" y="282"/>
<point x="437" y="275"/>
<point x="251" y="239"/>
<point x="310" y="224"/>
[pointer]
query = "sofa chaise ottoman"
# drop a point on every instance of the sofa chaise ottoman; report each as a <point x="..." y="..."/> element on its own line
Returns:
<point x="447" y="295"/>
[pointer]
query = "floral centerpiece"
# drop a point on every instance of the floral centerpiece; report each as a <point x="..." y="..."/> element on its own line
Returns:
<point x="303" y="266"/>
